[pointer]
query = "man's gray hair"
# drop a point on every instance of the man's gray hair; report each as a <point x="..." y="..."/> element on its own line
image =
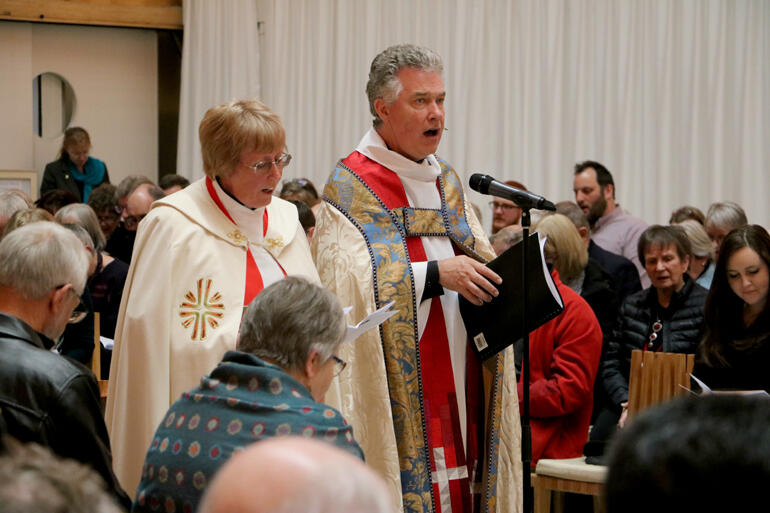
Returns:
<point x="383" y="82"/>
<point x="289" y="319"/>
<point x="84" y="216"/>
<point x="727" y="215"/>
<point x="39" y="257"/>
<point x="574" y="213"/>
<point x="129" y="185"/>
<point x="32" y="480"/>
<point x="507" y="236"/>
<point x="10" y="203"/>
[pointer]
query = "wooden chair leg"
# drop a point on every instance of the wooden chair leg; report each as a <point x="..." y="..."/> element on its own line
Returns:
<point x="599" y="504"/>
<point x="542" y="497"/>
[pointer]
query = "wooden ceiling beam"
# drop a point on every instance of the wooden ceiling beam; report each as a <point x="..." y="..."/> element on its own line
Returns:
<point x="154" y="14"/>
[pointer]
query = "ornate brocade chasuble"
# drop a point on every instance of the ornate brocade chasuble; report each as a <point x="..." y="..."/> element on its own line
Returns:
<point x="437" y="472"/>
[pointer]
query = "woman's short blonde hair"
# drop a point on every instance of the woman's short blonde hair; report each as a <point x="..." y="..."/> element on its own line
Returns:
<point x="230" y="129"/>
<point x="699" y="239"/>
<point x="564" y="248"/>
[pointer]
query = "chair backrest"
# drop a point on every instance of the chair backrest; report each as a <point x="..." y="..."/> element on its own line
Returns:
<point x="96" y="357"/>
<point x="656" y="378"/>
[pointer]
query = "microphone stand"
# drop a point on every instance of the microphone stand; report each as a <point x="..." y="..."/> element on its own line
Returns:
<point x="526" y="431"/>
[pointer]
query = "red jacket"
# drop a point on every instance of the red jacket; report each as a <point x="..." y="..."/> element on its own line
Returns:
<point x="564" y="359"/>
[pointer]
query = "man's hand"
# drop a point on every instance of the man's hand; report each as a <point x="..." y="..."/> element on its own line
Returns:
<point x="623" y="415"/>
<point x="472" y="279"/>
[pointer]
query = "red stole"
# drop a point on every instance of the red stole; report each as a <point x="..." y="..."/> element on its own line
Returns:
<point x="254" y="282"/>
<point x="449" y="462"/>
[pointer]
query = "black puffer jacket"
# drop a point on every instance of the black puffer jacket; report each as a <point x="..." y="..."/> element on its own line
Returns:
<point x="682" y="325"/>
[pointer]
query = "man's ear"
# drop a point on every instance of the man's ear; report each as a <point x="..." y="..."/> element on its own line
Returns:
<point x="382" y="108"/>
<point x="609" y="191"/>
<point x="313" y="363"/>
<point x="583" y="231"/>
<point x="58" y="297"/>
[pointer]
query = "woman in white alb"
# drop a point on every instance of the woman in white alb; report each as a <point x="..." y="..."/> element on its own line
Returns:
<point x="201" y="255"/>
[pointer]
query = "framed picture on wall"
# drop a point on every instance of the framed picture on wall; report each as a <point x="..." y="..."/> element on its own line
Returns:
<point x="17" y="179"/>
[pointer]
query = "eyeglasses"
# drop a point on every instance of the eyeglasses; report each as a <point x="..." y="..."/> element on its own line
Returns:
<point x="80" y="311"/>
<point x="266" y="165"/>
<point x="504" y="206"/>
<point x="133" y="221"/>
<point x="339" y="365"/>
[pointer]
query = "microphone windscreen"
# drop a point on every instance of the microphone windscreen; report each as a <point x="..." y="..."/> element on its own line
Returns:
<point x="479" y="183"/>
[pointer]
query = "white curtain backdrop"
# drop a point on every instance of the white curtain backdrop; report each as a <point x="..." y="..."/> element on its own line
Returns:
<point x="220" y="63"/>
<point x="671" y="95"/>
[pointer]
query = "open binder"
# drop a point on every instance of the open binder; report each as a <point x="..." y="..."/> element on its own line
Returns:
<point x="495" y="325"/>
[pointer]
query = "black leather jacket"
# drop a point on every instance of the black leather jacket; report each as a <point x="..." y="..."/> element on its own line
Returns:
<point x="51" y="400"/>
<point x="682" y="326"/>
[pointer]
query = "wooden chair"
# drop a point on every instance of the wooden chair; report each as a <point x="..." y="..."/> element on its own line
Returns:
<point x="654" y="378"/>
<point x="657" y="377"/>
<point x="572" y="475"/>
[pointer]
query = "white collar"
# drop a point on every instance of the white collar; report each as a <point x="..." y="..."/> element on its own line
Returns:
<point x="248" y="220"/>
<point x="373" y="146"/>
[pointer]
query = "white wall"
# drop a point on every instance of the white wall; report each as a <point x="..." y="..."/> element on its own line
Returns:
<point x="114" y="74"/>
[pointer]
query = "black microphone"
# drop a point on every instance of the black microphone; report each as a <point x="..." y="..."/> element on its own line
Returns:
<point x="485" y="184"/>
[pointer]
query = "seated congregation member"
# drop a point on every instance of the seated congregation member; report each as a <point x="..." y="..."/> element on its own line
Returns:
<point x="202" y="254"/>
<point x="77" y="342"/>
<point x="139" y="203"/>
<point x="506" y="237"/>
<point x="102" y="200"/>
<point x="735" y="351"/>
<point x="33" y="480"/>
<point x="172" y="183"/>
<point x="622" y="270"/>
<point x="306" y="218"/>
<point x="106" y="283"/>
<point x="301" y="189"/>
<point x="705" y="454"/>
<point x="612" y="228"/>
<point x="53" y="200"/>
<point x="577" y="270"/>
<point x="701" y="263"/>
<point x="46" y="398"/>
<point x="24" y="217"/>
<point x="121" y="243"/>
<point x="272" y="386"/>
<point x="290" y="474"/>
<point x="687" y="212"/>
<point x="564" y="360"/>
<point x="11" y="202"/>
<point x="667" y="317"/>
<point x="721" y="218"/>
<point x="504" y="211"/>
<point x="74" y="171"/>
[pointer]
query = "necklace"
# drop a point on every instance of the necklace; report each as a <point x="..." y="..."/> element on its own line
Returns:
<point x="656" y="327"/>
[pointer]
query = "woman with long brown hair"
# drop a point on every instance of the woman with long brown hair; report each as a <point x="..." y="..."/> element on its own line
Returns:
<point x="735" y="351"/>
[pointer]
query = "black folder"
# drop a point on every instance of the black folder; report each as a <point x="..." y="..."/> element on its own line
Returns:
<point x="495" y="325"/>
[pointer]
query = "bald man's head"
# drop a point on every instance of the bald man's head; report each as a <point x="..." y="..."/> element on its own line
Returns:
<point x="293" y="475"/>
<point x="139" y="203"/>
